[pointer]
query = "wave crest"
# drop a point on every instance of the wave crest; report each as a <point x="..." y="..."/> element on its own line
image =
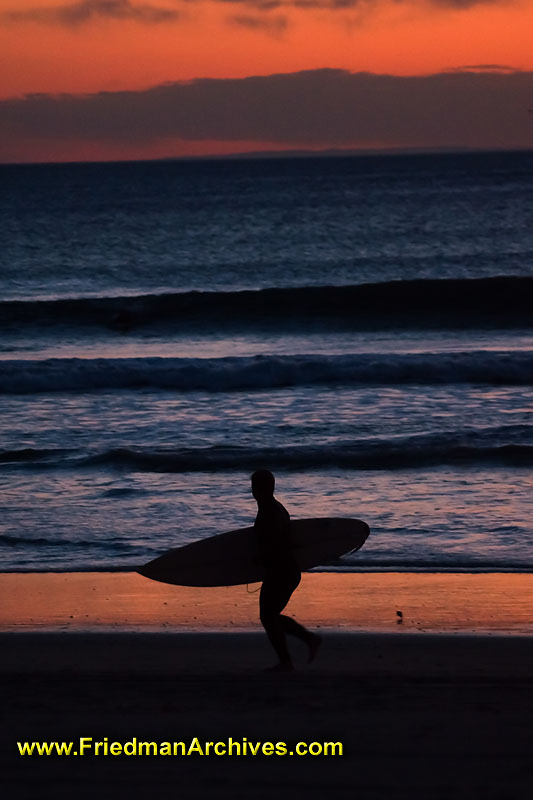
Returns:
<point x="500" y="301"/>
<point x="505" y="445"/>
<point x="263" y="372"/>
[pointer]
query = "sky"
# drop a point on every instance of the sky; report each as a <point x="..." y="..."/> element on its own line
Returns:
<point x="121" y="79"/>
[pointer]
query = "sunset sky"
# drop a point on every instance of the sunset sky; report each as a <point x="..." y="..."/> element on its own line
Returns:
<point x="91" y="79"/>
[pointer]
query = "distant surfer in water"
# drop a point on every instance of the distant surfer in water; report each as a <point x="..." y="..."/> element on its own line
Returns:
<point x="282" y="574"/>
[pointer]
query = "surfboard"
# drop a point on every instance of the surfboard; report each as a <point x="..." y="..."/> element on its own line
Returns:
<point x="229" y="559"/>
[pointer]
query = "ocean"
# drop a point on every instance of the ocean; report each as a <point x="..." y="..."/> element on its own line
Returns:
<point x="361" y="326"/>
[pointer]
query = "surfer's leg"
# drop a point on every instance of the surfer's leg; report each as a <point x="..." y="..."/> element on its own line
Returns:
<point x="275" y="594"/>
<point x="294" y="628"/>
<point x="312" y="640"/>
<point x="269" y="608"/>
<point x="289" y="624"/>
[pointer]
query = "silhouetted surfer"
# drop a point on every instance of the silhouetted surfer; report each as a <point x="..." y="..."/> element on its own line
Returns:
<point x="282" y="574"/>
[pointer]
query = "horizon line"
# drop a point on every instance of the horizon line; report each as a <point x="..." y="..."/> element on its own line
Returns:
<point x="296" y="153"/>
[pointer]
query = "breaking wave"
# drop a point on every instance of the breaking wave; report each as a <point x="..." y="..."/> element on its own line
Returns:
<point x="263" y="372"/>
<point x="504" y="445"/>
<point x="504" y="301"/>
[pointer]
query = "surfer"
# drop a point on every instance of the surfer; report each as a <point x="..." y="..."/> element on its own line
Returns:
<point x="282" y="574"/>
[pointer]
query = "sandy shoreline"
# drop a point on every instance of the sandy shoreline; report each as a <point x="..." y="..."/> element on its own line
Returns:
<point x="420" y="714"/>
<point x="450" y="602"/>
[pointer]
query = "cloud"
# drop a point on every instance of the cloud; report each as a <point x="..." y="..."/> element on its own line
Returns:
<point x="484" y="68"/>
<point x="273" y="5"/>
<point x="314" y="108"/>
<point x="78" y="13"/>
<point x="83" y="11"/>
<point x="273" y="25"/>
<point x="347" y="5"/>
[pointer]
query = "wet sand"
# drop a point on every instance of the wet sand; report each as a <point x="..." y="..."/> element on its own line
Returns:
<point x="454" y="602"/>
<point x="430" y="715"/>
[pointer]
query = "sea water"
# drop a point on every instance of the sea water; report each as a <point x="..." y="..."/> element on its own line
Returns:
<point x="361" y="326"/>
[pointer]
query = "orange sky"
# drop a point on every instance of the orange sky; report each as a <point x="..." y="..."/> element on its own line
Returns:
<point x="402" y="38"/>
<point x="395" y="38"/>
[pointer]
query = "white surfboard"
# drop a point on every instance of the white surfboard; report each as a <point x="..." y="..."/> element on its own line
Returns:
<point x="229" y="558"/>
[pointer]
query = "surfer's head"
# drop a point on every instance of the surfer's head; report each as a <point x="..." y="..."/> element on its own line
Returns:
<point x="263" y="483"/>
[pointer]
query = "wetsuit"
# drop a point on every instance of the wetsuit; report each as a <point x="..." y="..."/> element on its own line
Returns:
<point x="282" y="575"/>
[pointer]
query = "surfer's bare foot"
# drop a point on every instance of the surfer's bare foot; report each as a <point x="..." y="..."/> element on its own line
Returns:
<point x="283" y="666"/>
<point x="314" y="647"/>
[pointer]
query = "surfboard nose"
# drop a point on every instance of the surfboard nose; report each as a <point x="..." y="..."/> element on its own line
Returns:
<point x="365" y="529"/>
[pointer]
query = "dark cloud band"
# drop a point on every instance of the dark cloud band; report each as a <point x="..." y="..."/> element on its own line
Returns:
<point x="78" y="13"/>
<point x="270" y="24"/>
<point x="316" y="108"/>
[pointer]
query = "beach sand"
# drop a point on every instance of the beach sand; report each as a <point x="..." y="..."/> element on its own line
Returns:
<point x="439" y="602"/>
<point x="439" y="706"/>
